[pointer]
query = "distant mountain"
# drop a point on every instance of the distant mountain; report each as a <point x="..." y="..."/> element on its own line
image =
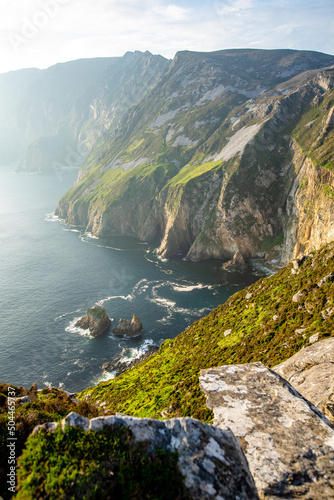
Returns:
<point x="53" y="117"/>
<point x="229" y="154"/>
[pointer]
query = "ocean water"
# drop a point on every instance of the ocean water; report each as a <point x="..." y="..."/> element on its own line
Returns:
<point x="50" y="273"/>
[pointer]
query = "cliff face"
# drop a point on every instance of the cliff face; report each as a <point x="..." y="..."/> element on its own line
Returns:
<point x="215" y="160"/>
<point x="53" y="117"/>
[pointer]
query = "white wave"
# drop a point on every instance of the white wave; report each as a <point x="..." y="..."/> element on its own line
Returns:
<point x="123" y="297"/>
<point x="104" y="377"/>
<point x="76" y="329"/>
<point x="91" y="235"/>
<point x="71" y="230"/>
<point x="52" y="218"/>
<point x="165" y="320"/>
<point x="163" y="302"/>
<point x="189" y="288"/>
<point x="67" y="314"/>
<point x="137" y="352"/>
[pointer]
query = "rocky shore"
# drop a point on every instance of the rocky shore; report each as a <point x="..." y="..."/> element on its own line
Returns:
<point x="120" y="365"/>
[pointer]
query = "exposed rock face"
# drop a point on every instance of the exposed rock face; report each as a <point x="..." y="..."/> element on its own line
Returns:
<point x="128" y="328"/>
<point x="216" y="173"/>
<point x="310" y="207"/>
<point x="120" y="365"/>
<point x="288" y="443"/>
<point x="311" y="372"/>
<point x="210" y="459"/>
<point x="96" y="319"/>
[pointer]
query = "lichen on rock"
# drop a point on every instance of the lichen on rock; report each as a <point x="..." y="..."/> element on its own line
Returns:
<point x="288" y="443"/>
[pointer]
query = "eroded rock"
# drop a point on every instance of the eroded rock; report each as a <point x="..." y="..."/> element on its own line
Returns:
<point x="288" y="443"/>
<point x="96" y="320"/>
<point x="210" y="459"/>
<point x="128" y="328"/>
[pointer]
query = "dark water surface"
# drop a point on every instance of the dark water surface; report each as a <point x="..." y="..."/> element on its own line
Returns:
<point x="51" y="273"/>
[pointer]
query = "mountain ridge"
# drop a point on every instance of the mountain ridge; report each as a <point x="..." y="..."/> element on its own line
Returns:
<point x="187" y="144"/>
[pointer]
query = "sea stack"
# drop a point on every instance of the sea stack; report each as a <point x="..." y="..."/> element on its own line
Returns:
<point x="128" y="328"/>
<point x="96" y="319"/>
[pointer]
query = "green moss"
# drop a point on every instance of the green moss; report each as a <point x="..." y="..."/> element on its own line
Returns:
<point x="48" y="405"/>
<point x="96" y="311"/>
<point x="263" y="329"/>
<point x="96" y="465"/>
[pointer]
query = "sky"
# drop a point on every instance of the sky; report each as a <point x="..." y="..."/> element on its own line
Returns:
<point x="40" y="33"/>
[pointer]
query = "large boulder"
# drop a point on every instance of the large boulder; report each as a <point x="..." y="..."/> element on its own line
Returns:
<point x="210" y="460"/>
<point x="288" y="443"/>
<point x="128" y="328"/>
<point x="96" y="320"/>
<point x="311" y="372"/>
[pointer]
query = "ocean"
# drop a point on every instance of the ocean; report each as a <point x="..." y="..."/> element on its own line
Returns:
<point x="50" y="273"/>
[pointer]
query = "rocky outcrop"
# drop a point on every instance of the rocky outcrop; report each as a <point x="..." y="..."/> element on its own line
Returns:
<point x="311" y="372"/>
<point x="237" y="262"/>
<point x="121" y="365"/>
<point x="211" y="460"/>
<point x="96" y="320"/>
<point x="288" y="443"/>
<point x="126" y="328"/>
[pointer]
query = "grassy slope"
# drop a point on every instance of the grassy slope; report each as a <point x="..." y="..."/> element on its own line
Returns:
<point x="169" y="379"/>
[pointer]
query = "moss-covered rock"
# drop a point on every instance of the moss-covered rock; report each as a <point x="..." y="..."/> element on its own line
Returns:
<point x="47" y="405"/>
<point x="96" y="465"/>
<point x="96" y="320"/>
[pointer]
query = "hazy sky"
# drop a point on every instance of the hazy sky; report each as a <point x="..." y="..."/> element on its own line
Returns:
<point x="39" y="33"/>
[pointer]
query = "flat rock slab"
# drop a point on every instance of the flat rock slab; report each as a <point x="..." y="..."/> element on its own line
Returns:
<point x="288" y="443"/>
<point x="211" y="459"/>
<point x="311" y="372"/>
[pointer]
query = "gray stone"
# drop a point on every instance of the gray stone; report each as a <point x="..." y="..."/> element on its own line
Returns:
<point x="326" y="279"/>
<point x="210" y="459"/>
<point x="314" y="338"/>
<point x="48" y="426"/>
<point x="227" y="332"/>
<point x="75" y="420"/>
<point x="288" y="443"/>
<point x="298" y="297"/>
<point x="311" y="372"/>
